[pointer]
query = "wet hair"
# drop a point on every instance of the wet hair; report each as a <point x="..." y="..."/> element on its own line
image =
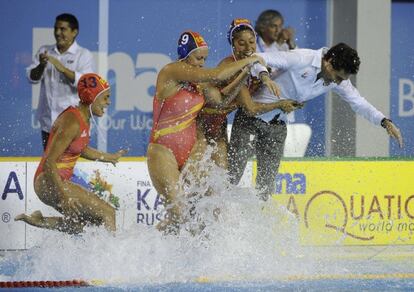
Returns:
<point x="264" y="18"/>
<point x="69" y="18"/>
<point x="343" y="57"/>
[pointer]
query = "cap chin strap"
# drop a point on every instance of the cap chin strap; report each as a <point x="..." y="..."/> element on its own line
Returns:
<point x="98" y="129"/>
<point x="232" y="51"/>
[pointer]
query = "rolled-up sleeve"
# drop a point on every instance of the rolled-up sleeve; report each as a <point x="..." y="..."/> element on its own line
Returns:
<point x="358" y="103"/>
<point x="86" y="65"/>
<point x="256" y="69"/>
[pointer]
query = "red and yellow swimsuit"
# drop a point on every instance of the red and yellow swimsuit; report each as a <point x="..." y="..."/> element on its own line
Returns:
<point x="214" y="121"/>
<point x="66" y="162"/>
<point x="175" y="122"/>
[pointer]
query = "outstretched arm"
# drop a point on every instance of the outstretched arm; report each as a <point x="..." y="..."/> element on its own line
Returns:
<point x="270" y="84"/>
<point x="393" y="131"/>
<point x="96" y="155"/>
<point x="362" y="107"/>
<point x="222" y="98"/>
<point x="183" y="72"/>
<point x="255" y="108"/>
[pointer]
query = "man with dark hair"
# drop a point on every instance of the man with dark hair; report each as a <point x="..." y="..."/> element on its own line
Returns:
<point x="58" y="67"/>
<point x="344" y="57"/>
<point x="304" y="75"/>
<point x="70" y="19"/>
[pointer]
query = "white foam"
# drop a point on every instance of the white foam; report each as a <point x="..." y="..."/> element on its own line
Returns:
<point x="247" y="240"/>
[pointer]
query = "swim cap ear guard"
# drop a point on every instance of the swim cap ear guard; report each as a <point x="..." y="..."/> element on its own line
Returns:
<point x="90" y="85"/>
<point x="188" y="42"/>
<point x="238" y="22"/>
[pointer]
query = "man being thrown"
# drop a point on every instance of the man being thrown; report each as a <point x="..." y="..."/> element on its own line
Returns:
<point x="213" y="121"/>
<point x="67" y="142"/>
<point x="305" y="74"/>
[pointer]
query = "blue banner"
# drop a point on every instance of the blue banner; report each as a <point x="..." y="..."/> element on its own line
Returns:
<point x="402" y="75"/>
<point x="142" y="38"/>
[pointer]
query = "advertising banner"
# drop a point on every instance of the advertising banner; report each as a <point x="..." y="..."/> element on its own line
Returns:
<point x="402" y="74"/>
<point x="349" y="202"/>
<point x="13" y="190"/>
<point x="335" y="202"/>
<point x="130" y="46"/>
<point x="127" y="187"/>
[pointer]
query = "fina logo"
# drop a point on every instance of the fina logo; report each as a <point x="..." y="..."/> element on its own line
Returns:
<point x="149" y="206"/>
<point x="295" y="183"/>
<point x="134" y="82"/>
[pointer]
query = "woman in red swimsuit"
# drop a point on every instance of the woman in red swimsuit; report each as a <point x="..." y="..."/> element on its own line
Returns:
<point x="176" y="105"/>
<point x="68" y="141"/>
<point x="213" y="121"/>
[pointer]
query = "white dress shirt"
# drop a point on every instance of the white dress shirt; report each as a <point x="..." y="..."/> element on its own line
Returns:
<point x="262" y="47"/>
<point x="297" y="80"/>
<point x="274" y="47"/>
<point x="56" y="91"/>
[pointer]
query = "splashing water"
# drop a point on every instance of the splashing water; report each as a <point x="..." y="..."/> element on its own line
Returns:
<point x="240" y="238"/>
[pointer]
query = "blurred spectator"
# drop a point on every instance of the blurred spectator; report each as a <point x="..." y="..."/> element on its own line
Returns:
<point x="271" y="34"/>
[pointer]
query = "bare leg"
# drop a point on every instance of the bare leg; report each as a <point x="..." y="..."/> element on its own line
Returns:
<point x="219" y="155"/>
<point x="193" y="165"/>
<point x="90" y="208"/>
<point x="77" y="205"/>
<point x="198" y="171"/>
<point x="165" y="175"/>
<point x="54" y="223"/>
<point x="37" y="219"/>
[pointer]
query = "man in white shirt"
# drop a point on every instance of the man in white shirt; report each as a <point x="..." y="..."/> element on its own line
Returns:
<point x="58" y="67"/>
<point x="304" y="75"/>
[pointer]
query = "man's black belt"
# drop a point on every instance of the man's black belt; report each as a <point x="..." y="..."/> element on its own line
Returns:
<point x="276" y="121"/>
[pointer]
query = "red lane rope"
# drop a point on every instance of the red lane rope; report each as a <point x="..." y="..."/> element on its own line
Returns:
<point x="44" y="284"/>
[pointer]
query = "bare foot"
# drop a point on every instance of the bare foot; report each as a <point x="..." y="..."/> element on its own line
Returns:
<point x="34" y="219"/>
<point x="20" y="217"/>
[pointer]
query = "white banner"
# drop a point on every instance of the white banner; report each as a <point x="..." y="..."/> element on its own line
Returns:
<point x="128" y="184"/>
